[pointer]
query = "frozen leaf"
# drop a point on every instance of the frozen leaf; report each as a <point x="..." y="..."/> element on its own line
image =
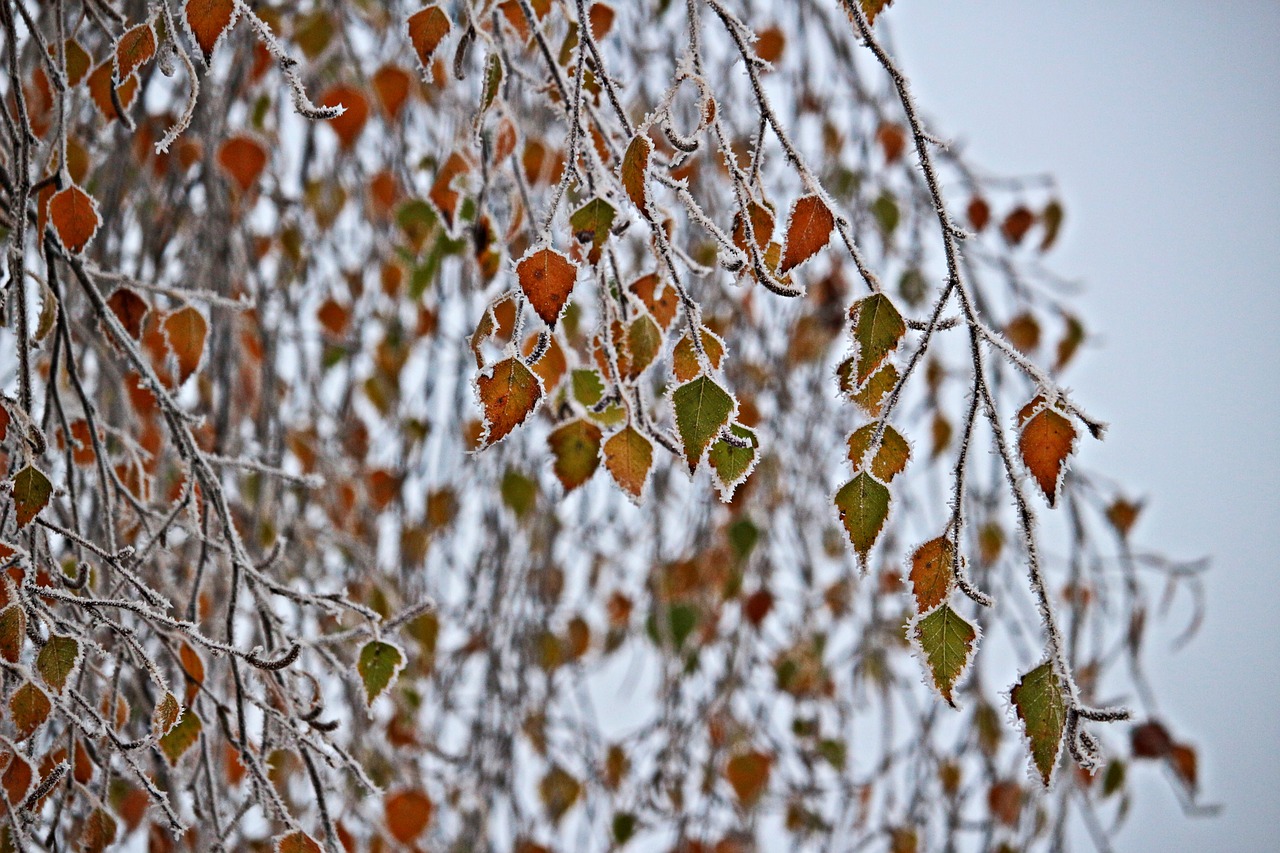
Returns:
<point x="31" y="493"/>
<point x="878" y="329"/>
<point x="427" y="28"/>
<point x="644" y="342"/>
<point x="1042" y="708"/>
<point x="702" y="408"/>
<point x="684" y="357"/>
<point x="408" y="813"/>
<point x="864" y="506"/>
<point x="731" y="463"/>
<point x="13" y="627"/>
<point x="165" y="715"/>
<point x="378" y="666"/>
<point x="78" y="61"/>
<point x="28" y="708"/>
<point x="871" y="8"/>
<point x="761" y="226"/>
<point x="185" y="330"/>
<point x="748" y="773"/>
<point x="601" y="18"/>
<point x="576" y="448"/>
<point x="181" y="737"/>
<point x="808" y="230"/>
<point x="134" y="48"/>
<point x="1046" y="441"/>
<point x="659" y="297"/>
<point x="192" y="670"/>
<point x="547" y="278"/>
<point x="57" y="660"/>
<point x="74" y="215"/>
<point x="558" y="791"/>
<point x="100" y="88"/>
<point x="591" y="224"/>
<point x="947" y="642"/>
<point x="442" y="193"/>
<point x="931" y="573"/>
<point x="508" y="395"/>
<point x="635" y="167"/>
<point x="243" y="158"/>
<point x="890" y="459"/>
<point x="208" y="21"/>
<point x="870" y="398"/>
<point x="296" y="842"/>
<point x="355" y="112"/>
<point x="629" y="456"/>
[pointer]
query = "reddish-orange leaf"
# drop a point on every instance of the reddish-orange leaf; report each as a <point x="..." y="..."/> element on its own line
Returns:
<point x="97" y="833"/>
<point x="442" y="194"/>
<point x="979" y="213"/>
<point x="761" y="226"/>
<point x="508" y="395"/>
<point x="391" y="84"/>
<point x="130" y="309"/>
<point x="408" y="813"/>
<point x="192" y="670"/>
<point x="1046" y="441"/>
<point x="208" y="20"/>
<point x="100" y="86"/>
<point x="931" y="573"/>
<point x="82" y="452"/>
<point x="296" y="842"/>
<point x="185" y="330"/>
<point x="635" y="168"/>
<point x="1017" y="224"/>
<point x="17" y="779"/>
<point x="770" y="44"/>
<point x="547" y="278"/>
<point x="662" y="305"/>
<point x="427" y="28"/>
<point x="28" y="708"/>
<point x="355" y="112"/>
<point x="243" y="158"/>
<point x="1183" y="760"/>
<point x="13" y="627"/>
<point x="74" y="215"/>
<point x="601" y="17"/>
<point x="629" y="455"/>
<point x="808" y="230"/>
<point x="133" y="49"/>
<point x="749" y="775"/>
<point x="893" y="141"/>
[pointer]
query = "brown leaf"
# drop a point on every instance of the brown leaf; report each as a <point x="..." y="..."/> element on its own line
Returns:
<point x="243" y="158"/>
<point x="130" y="309"/>
<point x="508" y="394"/>
<point x="748" y="773"/>
<point x="74" y="215"/>
<point x="208" y="21"/>
<point x="408" y="813"/>
<point x="931" y="573"/>
<point x="1047" y="439"/>
<point x="185" y="331"/>
<point x="427" y="28"/>
<point x="629" y="455"/>
<point x="635" y="168"/>
<point x="134" y="48"/>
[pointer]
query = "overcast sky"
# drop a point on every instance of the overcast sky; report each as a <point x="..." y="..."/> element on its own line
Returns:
<point x="1161" y="121"/>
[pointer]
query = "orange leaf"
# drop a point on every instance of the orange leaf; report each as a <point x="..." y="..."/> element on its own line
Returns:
<point x="17" y="779"/>
<point x="1046" y="441"/>
<point x="243" y="158"/>
<point x="893" y="141"/>
<point x="407" y="813"/>
<point x="1017" y="224"/>
<point x="442" y="194"/>
<point x="391" y="84"/>
<point x="75" y="218"/>
<point x="601" y="18"/>
<point x="296" y="842"/>
<point x="547" y="278"/>
<point x="663" y="308"/>
<point x="28" y="708"/>
<point x="931" y="573"/>
<point x="185" y="330"/>
<point x="770" y="44"/>
<point x="100" y="86"/>
<point x="355" y="112"/>
<point x="508" y="395"/>
<point x="192" y="669"/>
<point x="208" y="21"/>
<point x="629" y="455"/>
<point x="635" y="165"/>
<point x="808" y="230"/>
<point x="133" y="49"/>
<point x="427" y="28"/>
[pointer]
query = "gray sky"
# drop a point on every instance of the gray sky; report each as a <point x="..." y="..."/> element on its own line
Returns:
<point x="1161" y="121"/>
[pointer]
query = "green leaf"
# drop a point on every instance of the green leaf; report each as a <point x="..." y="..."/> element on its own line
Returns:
<point x="1042" y="708"/>
<point x="877" y="330"/>
<point x="31" y="492"/>
<point x="732" y="465"/>
<point x="864" y="505"/>
<point x="181" y="737"/>
<point x="680" y="620"/>
<point x="518" y="492"/>
<point x="947" y="642"/>
<point x="57" y="660"/>
<point x="576" y="447"/>
<point x="885" y="210"/>
<point x="588" y="386"/>
<point x="378" y="666"/>
<point x="702" y="409"/>
<point x="592" y="221"/>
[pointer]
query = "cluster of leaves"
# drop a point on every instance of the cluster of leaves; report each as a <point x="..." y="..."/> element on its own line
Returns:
<point x="303" y="542"/>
